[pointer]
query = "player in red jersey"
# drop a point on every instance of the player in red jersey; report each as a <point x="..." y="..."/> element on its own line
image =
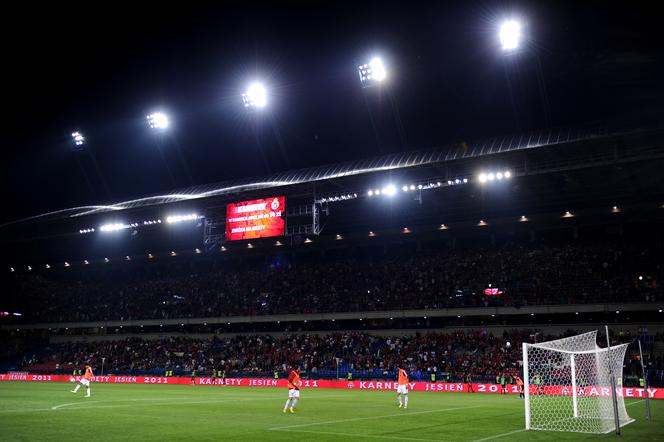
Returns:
<point x="294" y="384"/>
<point x="85" y="380"/>
<point x="402" y="389"/>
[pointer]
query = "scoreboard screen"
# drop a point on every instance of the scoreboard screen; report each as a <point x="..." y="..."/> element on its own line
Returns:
<point x="256" y="218"/>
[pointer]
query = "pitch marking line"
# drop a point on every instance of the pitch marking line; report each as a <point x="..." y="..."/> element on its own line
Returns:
<point x="169" y="401"/>
<point x="523" y="429"/>
<point x="359" y="436"/>
<point x="355" y="419"/>
<point x="500" y="435"/>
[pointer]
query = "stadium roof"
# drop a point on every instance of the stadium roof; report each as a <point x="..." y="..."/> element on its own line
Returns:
<point x="401" y="160"/>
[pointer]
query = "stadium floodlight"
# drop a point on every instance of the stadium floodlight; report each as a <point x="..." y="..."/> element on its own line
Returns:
<point x="179" y="218"/>
<point x="405" y="188"/>
<point x="507" y="174"/>
<point x="615" y="209"/>
<point x="443" y="227"/>
<point x="412" y="187"/>
<point x="499" y="176"/>
<point x="510" y="34"/>
<point x="79" y="139"/>
<point x="372" y="72"/>
<point x="198" y="251"/>
<point x="390" y="190"/>
<point x="482" y="177"/>
<point x="113" y="227"/>
<point x="86" y="262"/>
<point x="568" y="214"/>
<point x="29" y="268"/>
<point x="106" y="260"/>
<point x="491" y="176"/>
<point x="482" y="223"/>
<point x="370" y="193"/>
<point x="67" y="264"/>
<point x="523" y="219"/>
<point x="255" y="96"/>
<point x="308" y="241"/>
<point x="157" y="120"/>
<point x="173" y="253"/>
<point x="338" y="237"/>
<point x="11" y="269"/>
<point x="48" y="266"/>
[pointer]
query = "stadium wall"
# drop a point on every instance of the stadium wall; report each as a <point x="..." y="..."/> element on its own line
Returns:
<point x="653" y="393"/>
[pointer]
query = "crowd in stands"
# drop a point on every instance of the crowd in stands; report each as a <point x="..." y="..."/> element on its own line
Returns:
<point x="480" y="354"/>
<point x="528" y="274"/>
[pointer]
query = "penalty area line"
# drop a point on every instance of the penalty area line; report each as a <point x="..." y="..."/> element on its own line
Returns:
<point x="497" y="436"/>
<point x="359" y="436"/>
<point x="355" y="419"/>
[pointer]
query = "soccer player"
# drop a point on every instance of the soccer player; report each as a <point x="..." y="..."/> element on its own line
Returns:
<point x="293" y="389"/>
<point x="539" y="388"/>
<point x="193" y="377"/>
<point x="402" y="388"/>
<point x="503" y="384"/>
<point x="85" y="380"/>
<point x="519" y="383"/>
<point x="469" y="383"/>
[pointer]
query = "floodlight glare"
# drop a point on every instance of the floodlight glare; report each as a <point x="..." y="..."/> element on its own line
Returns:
<point x="390" y="190"/>
<point x="372" y="72"/>
<point x="510" y="33"/>
<point x="482" y="177"/>
<point x="78" y="137"/>
<point x="508" y="174"/>
<point x="157" y="120"/>
<point x="376" y="65"/>
<point x="256" y="96"/>
<point x="490" y="177"/>
<point x="179" y="218"/>
<point x="499" y="176"/>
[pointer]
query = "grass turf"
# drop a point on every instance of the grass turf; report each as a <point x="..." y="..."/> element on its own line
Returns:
<point x="48" y="411"/>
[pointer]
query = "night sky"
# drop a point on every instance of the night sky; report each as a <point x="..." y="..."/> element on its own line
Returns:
<point x="101" y="70"/>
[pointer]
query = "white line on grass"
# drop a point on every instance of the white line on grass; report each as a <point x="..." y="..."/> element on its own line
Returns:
<point x="523" y="429"/>
<point x="355" y="435"/>
<point x="632" y="403"/>
<point x="500" y="435"/>
<point x="169" y="401"/>
<point x="354" y="419"/>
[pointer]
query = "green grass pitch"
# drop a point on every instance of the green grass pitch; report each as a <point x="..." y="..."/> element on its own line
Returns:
<point x="48" y="411"/>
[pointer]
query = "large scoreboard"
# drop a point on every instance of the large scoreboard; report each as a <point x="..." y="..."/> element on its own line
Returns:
<point x="256" y="218"/>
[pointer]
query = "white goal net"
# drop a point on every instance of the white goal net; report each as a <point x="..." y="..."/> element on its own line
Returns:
<point x="567" y="385"/>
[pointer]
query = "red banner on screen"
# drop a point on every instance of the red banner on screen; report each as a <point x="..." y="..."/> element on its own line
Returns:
<point x="256" y="218"/>
<point x="451" y="387"/>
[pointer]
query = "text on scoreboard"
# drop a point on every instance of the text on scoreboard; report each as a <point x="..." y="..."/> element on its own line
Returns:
<point x="256" y="218"/>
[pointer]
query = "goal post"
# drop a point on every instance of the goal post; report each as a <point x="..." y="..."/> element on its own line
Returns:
<point x="568" y="385"/>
